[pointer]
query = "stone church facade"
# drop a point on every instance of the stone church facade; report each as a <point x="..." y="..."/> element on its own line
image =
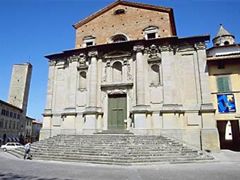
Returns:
<point x="130" y="71"/>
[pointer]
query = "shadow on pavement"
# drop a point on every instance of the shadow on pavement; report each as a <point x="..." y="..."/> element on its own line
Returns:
<point x="8" y="176"/>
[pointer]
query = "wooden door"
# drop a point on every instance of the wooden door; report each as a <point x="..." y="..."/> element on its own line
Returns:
<point x="117" y="106"/>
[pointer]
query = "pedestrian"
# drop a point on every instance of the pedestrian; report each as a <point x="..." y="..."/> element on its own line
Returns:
<point x="27" y="150"/>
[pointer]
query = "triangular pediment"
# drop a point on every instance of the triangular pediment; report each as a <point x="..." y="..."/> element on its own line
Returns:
<point x="117" y="54"/>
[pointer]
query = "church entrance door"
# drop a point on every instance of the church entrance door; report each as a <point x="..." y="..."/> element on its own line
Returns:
<point x="117" y="111"/>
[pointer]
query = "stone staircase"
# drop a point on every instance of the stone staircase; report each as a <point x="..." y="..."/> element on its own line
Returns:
<point x="116" y="149"/>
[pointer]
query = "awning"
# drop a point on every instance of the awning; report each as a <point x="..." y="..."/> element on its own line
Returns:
<point x="13" y="139"/>
<point x="9" y="139"/>
<point x="17" y="139"/>
<point x="1" y="139"/>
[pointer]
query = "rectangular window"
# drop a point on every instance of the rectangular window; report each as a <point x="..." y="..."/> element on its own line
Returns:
<point x="11" y="114"/>
<point x="3" y="112"/>
<point x="1" y="123"/>
<point x="89" y="44"/>
<point x="10" y="124"/>
<point x="7" y="113"/>
<point x="221" y="66"/>
<point x="223" y="84"/>
<point x="5" y="124"/>
<point x="151" y="35"/>
<point x="15" y="115"/>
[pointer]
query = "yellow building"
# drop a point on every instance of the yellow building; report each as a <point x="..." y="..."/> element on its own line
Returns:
<point x="224" y="72"/>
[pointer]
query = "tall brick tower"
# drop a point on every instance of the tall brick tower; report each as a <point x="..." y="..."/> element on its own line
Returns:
<point x="20" y="84"/>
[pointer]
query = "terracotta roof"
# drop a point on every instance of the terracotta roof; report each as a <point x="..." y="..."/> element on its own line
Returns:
<point x="127" y="3"/>
<point x="36" y="122"/>
<point x="223" y="47"/>
<point x="225" y="56"/>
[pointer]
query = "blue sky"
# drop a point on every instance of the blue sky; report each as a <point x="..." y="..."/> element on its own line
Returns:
<point x="31" y="29"/>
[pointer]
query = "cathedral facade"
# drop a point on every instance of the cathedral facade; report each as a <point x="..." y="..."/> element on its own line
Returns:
<point x="130" y="72"/>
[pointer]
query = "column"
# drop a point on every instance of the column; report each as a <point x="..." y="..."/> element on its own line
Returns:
<point x="140" y="111"/>
<point x="91" y="112"/>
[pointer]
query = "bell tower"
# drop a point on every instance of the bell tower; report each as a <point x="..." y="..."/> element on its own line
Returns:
<point x="223" y="37"/>
<point x="20" y="84"/>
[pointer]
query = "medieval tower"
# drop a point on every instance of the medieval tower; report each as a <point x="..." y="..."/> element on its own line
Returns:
<point x="20" y="84"/>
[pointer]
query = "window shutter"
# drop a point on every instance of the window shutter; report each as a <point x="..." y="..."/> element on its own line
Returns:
<point x="223" y="84"/>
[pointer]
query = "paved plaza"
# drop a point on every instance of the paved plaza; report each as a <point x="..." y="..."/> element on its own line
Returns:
<point x="227" y="167"/>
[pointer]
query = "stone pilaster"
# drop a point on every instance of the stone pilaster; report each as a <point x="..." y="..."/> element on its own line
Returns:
<point x="209" y="132"/>
<point x="93" y="79"/>
<point x="72" y="88"/>
<point x="140" y="89"/>
<point x="50" y="86"/>
<point x="47" y="114"/>
<point x="167" y="80"/>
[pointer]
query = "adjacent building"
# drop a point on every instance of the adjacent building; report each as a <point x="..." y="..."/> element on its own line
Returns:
<point x="13" y="113"/>
<point x="10" y="122"/>
<point x="130" y="71"/>
<point x="223" y="61"/>
<point x="36" y="127"/>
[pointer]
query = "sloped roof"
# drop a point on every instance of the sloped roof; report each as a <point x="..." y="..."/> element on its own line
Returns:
<point x="10" y="105"/>
<point x="132" y="4"/>
<point x="222" y="32"/>
<point x="225" y="56"/>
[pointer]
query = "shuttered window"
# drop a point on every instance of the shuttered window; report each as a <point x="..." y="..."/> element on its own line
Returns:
<point x="223" y="84"/>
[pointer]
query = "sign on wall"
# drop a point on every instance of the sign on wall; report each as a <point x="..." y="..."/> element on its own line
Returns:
<point x="226" y="103"/>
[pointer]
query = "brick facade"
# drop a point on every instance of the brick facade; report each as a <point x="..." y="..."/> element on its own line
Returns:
<point x="132" y="23"/>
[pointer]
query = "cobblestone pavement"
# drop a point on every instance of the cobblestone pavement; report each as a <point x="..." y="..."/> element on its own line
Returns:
<point x="13" y="168"/>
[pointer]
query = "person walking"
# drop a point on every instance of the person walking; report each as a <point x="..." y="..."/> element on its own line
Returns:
<point x="27" y="150"/>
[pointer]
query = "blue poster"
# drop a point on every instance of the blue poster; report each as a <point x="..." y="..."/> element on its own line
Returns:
<point x="226" y="103"/>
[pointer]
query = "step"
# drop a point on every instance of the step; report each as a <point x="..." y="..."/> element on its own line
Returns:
<point x="113" y="149"/>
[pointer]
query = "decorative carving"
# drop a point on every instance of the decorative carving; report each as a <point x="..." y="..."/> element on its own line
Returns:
<point x="61" y="64"/>
<point x="200" y="46"/>
<point x="82" y="59"/>
<point x="73" y="58"/>
<point x="129" y="76"/>
<point x="125" y="61"/>
<point x="108" y="64"/>
<point x="116" y="91"/>
<point x="165" y="48"/>
<point x="186" y="48"/>
<point x="175" y="48"/>
<point x="138" y="48"/>
<point x="117" y="54"/>
<point x="92" y="53"/>
<point x="153" y="52"/>
<point x="52" y="63"/>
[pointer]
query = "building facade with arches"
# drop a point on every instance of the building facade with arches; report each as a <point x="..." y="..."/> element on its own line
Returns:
<point x="130" y="72"/>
